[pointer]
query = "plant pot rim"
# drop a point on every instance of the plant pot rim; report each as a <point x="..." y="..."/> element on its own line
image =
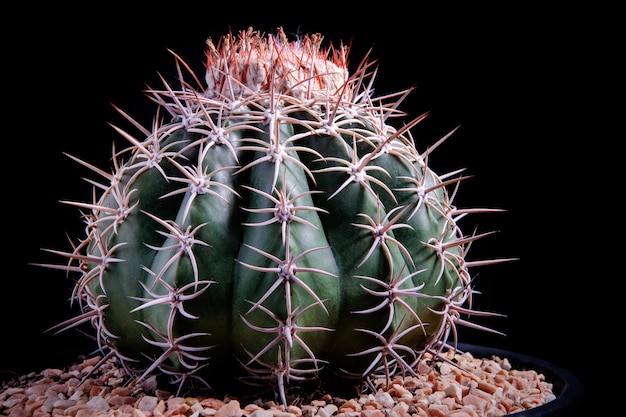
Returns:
<point x="567" y="387"/>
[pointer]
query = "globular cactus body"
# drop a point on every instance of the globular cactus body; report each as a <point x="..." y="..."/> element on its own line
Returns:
<point x="274" y="228"/>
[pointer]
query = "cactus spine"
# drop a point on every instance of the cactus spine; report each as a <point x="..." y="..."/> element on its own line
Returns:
<point x="271" y="225"/>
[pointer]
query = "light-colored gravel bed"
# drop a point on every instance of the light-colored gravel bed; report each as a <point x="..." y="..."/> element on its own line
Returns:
<point x="483" y="388"/>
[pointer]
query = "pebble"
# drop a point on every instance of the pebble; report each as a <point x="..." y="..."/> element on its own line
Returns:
<point x="476" y="388"/>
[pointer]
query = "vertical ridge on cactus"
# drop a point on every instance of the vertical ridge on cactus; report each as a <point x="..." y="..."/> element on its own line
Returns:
<point x="272" y="226"/>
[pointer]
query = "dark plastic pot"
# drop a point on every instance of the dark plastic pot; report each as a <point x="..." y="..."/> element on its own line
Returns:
<point x="566" y="386"/>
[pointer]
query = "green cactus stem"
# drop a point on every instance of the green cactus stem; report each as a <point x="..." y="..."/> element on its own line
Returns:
<point x="272" y="225"/>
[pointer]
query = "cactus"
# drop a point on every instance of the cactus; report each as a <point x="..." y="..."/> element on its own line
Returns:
<point x="272" y="226"/>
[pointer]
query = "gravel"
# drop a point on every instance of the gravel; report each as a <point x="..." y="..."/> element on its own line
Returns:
<point x="475" y="387"/>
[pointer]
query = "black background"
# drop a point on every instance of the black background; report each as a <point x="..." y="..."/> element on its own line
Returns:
<point x="517" y="79"/>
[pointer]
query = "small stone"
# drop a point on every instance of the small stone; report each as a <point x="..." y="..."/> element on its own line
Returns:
<point x="230" y="409"/>
<point x="384" y="398"/>
<point x="327" y="410"/>
<point x="98" y="403"/>
<point x="261" y="413"/>
<point x="147" y="403"/>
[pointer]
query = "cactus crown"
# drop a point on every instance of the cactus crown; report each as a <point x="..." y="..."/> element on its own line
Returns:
<point x="275" y="228"/>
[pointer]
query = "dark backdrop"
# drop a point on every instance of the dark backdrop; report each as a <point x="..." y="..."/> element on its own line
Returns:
<point x="510" y="77"/>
